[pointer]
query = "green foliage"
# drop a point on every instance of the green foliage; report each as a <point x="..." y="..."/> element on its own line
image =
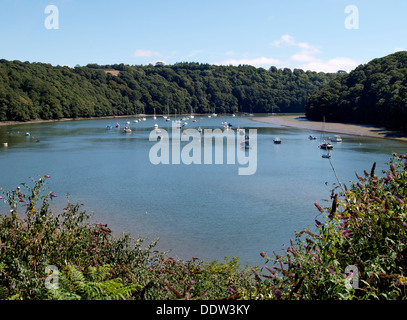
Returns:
<point x="374" y="93"/>
<point x="73" y="284"/>
<point x="91" y="262"/>
<point x="37" y="90"/>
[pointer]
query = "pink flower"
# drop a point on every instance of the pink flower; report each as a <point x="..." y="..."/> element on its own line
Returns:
<point x="47" y="176"/>
<point x="263" y="254"/>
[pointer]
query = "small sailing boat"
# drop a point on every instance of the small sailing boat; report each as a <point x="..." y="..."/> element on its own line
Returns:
<point x="326" y="145"/>
<point x="277" y="140"/>
<point x="155" y="117"/>
<point x="127" y="130"/>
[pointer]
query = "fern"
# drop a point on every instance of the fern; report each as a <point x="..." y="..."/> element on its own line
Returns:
<point x="75" y="285"/>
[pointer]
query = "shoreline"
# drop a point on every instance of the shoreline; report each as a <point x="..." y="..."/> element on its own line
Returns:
<point x="9" y="123"/>
<point x="301" y="122"/>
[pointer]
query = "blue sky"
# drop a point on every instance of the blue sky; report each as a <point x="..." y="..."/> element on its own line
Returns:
<point x="294" y="33"/>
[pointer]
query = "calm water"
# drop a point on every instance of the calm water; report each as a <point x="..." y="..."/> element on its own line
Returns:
<point x="206" y="211"/>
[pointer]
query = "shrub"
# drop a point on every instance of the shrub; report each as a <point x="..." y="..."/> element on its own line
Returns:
<point x="91" y="262"/>
<point x="365" y="231"/>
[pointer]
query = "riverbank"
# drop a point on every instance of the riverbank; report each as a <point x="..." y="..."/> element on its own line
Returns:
<point x="332" y="127"/>
<point x="7" y="123"/>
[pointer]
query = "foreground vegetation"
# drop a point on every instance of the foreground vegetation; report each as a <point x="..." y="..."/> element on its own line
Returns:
<point x="37" y="90"/>
<point x="366" y="227"/>
<point x="374" y="93"/>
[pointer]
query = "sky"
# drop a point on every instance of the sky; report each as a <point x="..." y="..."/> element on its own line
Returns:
<point x="317" y="35"/>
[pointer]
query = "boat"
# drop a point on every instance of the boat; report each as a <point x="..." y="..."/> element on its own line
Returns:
<point x="245" y="143"/>
<point x="311" y="137"/>
<point x="336" y="138"/>
<point x="277" y="140"/>
<point x="108" y="127"/>
<point x="326" y="146"/>
<point x="326" y="156"/>
<point x="200" y="130"/>
<point x="27" y="134"/>
<point x="155" y="117"/>
<point x="127" y="122"/>
<point x="156" y="126"/>
<point x="127" y="130"/>
<point x="117" y="125"/>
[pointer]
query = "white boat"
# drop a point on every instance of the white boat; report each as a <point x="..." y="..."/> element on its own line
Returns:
<point x="277" y="140"/>
<point x="127" y="130"/>
<point x="336" y="138"/>
<point x="117" y="125"/>
<point x="155" y="126"/>
<point x="326" y="146"/>
<point x="127" y="122"/>
<point x="155" y="117"/>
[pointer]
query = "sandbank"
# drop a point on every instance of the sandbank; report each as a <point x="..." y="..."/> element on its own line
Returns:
<point x="332" y="127"/>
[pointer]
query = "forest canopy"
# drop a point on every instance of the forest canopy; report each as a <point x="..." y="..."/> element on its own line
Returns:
<point x="42" y="91"/>
<point x="374" y="93"/>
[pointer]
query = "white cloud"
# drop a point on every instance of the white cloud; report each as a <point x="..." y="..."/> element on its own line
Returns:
<point x="332" y="65"/>
<point x="285" y="39"/>
<point x="146" y="53"/>
<point x="308" y="57"/>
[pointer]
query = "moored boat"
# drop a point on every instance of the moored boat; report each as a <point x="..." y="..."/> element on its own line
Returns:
<point x="277" y="140"/>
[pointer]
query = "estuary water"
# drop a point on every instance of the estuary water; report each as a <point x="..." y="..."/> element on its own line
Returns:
<point x="202" y="210"/>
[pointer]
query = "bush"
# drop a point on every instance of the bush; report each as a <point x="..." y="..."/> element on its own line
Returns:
<point x="364" y="232"/>
<point x="91" y="263"/>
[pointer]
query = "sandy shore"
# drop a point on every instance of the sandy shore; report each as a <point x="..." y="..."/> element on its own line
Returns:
<point x="339" y="128"/>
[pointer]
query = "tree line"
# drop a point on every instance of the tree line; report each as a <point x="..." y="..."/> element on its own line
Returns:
<point x="374" y="93"/>
<point x="42" y="91"/>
